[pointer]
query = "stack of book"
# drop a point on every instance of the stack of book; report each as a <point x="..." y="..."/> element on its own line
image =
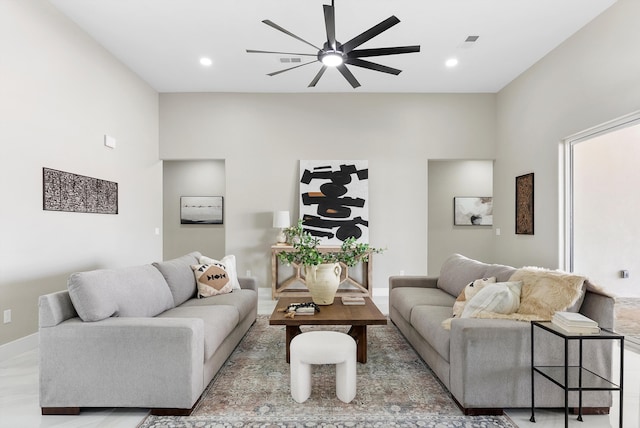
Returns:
<point x="352" y="300"/>
<point x="574" y="322"/>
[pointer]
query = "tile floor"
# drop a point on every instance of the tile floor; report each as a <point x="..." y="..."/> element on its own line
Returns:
<point x="19" y="398"/>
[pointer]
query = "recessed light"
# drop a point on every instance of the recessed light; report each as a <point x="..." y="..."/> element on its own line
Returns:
<point x="206" y="61"/>
<point x="451" y="62"/>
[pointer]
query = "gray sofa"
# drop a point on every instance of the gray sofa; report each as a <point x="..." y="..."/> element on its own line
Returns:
<point x="137" y="337"/>
<point x="486" y="363"/>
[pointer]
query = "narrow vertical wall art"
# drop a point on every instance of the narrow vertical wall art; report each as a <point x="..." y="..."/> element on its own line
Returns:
<point x="334" y="199"/>
<point x="524" y="204"/>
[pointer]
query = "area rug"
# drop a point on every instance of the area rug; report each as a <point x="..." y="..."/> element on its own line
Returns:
<point x="395" y="389"/>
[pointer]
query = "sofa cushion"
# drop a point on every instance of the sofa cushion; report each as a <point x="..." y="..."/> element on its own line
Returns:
<point x="245" y="301"/>
<point x="179" y="276"/>
<point x="404" y="299"/>
<point x="458" y="271"/>
<point x="501" y="298"/>
<point x="229" y="263"/>
<point x="219" y="322"/>
<point x="427" y="320"/>
<point x="501" y="272"/>
<point x="138" y="291"/>
<point x="212" y="279"/>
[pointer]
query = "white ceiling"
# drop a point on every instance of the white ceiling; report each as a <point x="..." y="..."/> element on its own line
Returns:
<point x="162" y="40"/>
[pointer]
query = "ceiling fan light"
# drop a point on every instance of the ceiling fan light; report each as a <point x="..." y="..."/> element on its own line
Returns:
<point x="332" y="59"/>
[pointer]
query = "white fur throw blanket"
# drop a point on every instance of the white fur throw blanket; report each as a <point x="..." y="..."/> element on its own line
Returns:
<point x="544" y="292"/>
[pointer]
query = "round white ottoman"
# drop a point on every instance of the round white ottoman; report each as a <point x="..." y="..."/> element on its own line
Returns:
<point x="323" y="347"/>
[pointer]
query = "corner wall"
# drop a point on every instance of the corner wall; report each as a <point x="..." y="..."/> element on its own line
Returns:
<point x="590" y="79"/>
<point x="262" y="138"/>
<point x="60" y="92"/>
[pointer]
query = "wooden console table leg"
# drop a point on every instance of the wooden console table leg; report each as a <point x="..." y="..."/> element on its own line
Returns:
<point x="359" y="333"/>
<point x="292" y="331"/>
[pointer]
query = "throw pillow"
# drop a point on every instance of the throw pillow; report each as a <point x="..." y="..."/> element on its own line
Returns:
<point x="501" y="298"/>
<point x="469" y="291"/>
<point x="229" y="263"/>
<point x="212" y="279"/>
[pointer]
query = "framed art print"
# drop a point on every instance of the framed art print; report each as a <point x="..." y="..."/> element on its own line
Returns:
<point x="201" y="209"/>
<point x="524" y="204"/>
<point x="473" y="211"/>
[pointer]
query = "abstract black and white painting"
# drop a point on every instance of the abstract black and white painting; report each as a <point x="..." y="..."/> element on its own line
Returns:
<point x="201" y="209"/>
<point x="334" y="199"/>
<point x="473" y="211"/>
<point x="64" y="191"/>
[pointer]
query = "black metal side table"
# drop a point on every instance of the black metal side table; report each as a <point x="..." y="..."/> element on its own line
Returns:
<point x="574" y="378"/>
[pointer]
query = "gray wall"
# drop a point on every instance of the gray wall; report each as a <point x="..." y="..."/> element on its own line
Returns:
<point x="60" y="92"/>
<point x="191" y="178"/>
<point x="590" y="79"/>
<point x="448" y="179"/>
<point x="262" y="137"/>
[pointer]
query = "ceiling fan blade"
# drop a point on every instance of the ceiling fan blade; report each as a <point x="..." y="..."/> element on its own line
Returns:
<point x="369" y="34"/>
<point x="290" y="68"/>
<point x="347" y="75"/>
<point x="361" y="53"/>
<point x="318" y="76"/>
<point x="288" y="33"/>
<point x="372" y="66"/>
<point x="281" y="53"/>
<point x="330" y="24"/>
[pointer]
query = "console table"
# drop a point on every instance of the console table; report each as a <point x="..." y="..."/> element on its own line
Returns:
<point x="353" y="280"/>
<point x="574" y="378"/>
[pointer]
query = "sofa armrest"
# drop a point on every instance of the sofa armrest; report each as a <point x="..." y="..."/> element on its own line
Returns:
<point x="599" y="308"/>
<point x="412" y="281"/>
<point x="122" y="362"/>
<point x="248" y="283"/>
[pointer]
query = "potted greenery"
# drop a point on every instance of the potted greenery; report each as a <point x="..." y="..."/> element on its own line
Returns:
<point x="322" y="268"/>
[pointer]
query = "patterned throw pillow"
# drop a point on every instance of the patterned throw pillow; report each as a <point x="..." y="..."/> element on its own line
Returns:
<point x="230" y="266"/>
<point x="212" y="279"/>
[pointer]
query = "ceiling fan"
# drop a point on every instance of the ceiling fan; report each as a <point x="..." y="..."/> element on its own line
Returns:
<point x="339" y="55"/>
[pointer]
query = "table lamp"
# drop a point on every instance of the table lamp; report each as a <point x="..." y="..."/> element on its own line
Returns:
<point x="281" y="221"/>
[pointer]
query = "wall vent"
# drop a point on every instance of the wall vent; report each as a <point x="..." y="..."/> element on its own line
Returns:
<point x="471" y="39"/>
<point x="290" y="60"/>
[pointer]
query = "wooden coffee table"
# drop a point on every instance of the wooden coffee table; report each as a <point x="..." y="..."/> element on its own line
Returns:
<point x="357" y="316"/>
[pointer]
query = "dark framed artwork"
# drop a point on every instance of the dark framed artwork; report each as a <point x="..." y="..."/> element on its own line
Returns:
<point x="68" y="192"/>
<point x="524" y="204"/>
<point x="201" y="209"/>
<point x="334" y="197"/>
<point x="473" y="211"/>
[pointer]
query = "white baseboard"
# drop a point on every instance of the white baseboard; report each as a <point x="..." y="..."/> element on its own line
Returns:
<point x="18" y="346"/>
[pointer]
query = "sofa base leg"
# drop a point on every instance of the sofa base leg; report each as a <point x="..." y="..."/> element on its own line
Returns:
<point x="483" y="411"/>
<point x="171" y="412"/>
<point x="479" y="411"/>
<point x="60" y="410"/>
<point x="592" y="410"/>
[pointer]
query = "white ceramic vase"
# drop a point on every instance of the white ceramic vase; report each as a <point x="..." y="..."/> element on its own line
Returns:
<point x="323" y="281"/>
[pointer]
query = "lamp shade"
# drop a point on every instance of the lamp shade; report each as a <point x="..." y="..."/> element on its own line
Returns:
<point x="281" y="219"/>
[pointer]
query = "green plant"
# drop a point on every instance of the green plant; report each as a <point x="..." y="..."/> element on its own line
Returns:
<point x="306" y="252"/>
